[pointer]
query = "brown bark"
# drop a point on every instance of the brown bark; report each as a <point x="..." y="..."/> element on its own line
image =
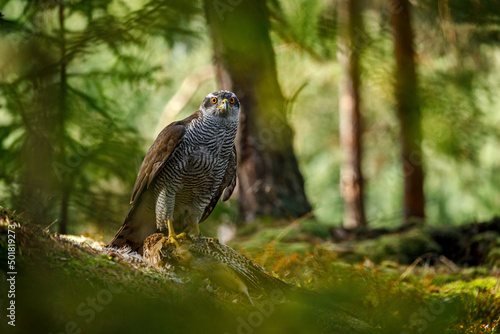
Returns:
<point x="270" y="182"/>
<point x="408" y="111"/>
<point x="351" y="176"/>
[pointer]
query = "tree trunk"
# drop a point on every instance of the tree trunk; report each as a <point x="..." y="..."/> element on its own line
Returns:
<point x="36" y="197"/>
<point x="270" y="182"/>
<point x="351" y="177"/>
<point x="408" y="111"/>
<point x="64" y="187"/>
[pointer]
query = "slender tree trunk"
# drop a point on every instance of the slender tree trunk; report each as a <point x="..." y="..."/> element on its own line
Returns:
<point x="64" y="187"/>
<point x="351" y="177"/>
<point x="39" y="116"/>
<point x="408" y="111"/>
<point x="270" y="182"/>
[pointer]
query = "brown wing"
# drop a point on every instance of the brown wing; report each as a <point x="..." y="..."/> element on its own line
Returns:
<point x="159" y="153"/>
<point x="140" y="221"/>
<point x="226" y="188"/>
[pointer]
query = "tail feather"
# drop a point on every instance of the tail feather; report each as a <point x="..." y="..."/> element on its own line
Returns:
<point x="138" y="225"/>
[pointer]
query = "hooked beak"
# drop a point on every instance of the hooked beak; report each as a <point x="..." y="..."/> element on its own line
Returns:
<point x="225" y="105"/>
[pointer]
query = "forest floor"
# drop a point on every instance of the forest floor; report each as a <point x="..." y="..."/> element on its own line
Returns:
<point x="418" y="280"/>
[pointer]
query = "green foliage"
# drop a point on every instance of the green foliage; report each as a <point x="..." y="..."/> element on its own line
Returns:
<point x="313" y="228"/>
<point x="71" y="89"/>
<point x="402" y="248"/>
<point x="458" y="78"/>
<point x="415" y="299"/>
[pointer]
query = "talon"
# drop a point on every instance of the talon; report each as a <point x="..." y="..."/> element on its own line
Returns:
<point x="172" y="237"/>
<point x="171" y="240"/>
<point x="182" y="236"/>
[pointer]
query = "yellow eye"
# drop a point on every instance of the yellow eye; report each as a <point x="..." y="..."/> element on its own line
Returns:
<point x="214" y="100"/>
<point x="231" y="100"/>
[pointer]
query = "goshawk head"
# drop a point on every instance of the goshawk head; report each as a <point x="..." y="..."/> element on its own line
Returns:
<point x="221" y="103"/>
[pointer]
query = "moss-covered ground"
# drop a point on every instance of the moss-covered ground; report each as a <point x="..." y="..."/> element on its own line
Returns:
<point x="395" y="283"/>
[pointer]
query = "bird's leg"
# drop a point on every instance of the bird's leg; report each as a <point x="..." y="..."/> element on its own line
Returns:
<point x="196" y="228"/>
<point x="164" y="209"/>
<point x="171" y="233"/>
<point x="172" y="236"/>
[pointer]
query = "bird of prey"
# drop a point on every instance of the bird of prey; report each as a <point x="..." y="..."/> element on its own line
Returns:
<point x="191" y="164"/>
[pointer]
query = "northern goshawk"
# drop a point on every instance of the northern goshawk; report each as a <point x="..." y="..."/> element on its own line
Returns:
<point x="191" y="164"/>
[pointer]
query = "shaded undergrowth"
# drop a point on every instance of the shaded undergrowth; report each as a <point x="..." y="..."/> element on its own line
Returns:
<point x="70" y="286"/>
